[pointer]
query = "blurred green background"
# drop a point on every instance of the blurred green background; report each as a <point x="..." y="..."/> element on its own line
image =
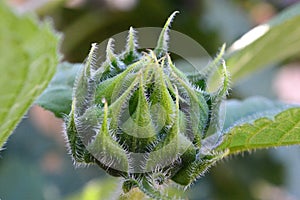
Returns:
<point x="35" y="164"/>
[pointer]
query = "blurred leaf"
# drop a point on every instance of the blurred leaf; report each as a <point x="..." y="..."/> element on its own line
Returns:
<point x="28" y="61"/>
<point x="266" y="44"/>
<point x="98" y="189"/>
<point x="265" y="132"/>
<point x="57" y="98"/>
<point x="134" y="193"/>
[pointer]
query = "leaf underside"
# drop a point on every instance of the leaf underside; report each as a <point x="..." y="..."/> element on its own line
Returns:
<point x="58" y="95"/>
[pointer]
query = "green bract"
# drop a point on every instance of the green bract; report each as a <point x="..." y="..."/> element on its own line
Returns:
<point x="137" y="116"/>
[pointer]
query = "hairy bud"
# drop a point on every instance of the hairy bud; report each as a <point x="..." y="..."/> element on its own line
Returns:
<point x="137" y="116"/>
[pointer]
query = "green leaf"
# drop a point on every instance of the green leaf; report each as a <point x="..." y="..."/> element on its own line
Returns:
<point x="28" y="61"/>
<point x="250" y="109"/>
<point x="281" y="130"/>
<point x="57" y="97"/>
<point x="266" y="44"/>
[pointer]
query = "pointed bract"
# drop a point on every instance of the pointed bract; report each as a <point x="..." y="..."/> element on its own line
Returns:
<point x="162" y="43"/>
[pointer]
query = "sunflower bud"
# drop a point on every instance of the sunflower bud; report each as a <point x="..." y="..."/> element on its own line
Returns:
<point x="136" y="115"/>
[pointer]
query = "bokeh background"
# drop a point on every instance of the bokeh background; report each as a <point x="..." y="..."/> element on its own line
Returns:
<point x="35" y="164"/>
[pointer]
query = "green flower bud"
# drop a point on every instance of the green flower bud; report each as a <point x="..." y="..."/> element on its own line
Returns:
<point x="138" y="116"/>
